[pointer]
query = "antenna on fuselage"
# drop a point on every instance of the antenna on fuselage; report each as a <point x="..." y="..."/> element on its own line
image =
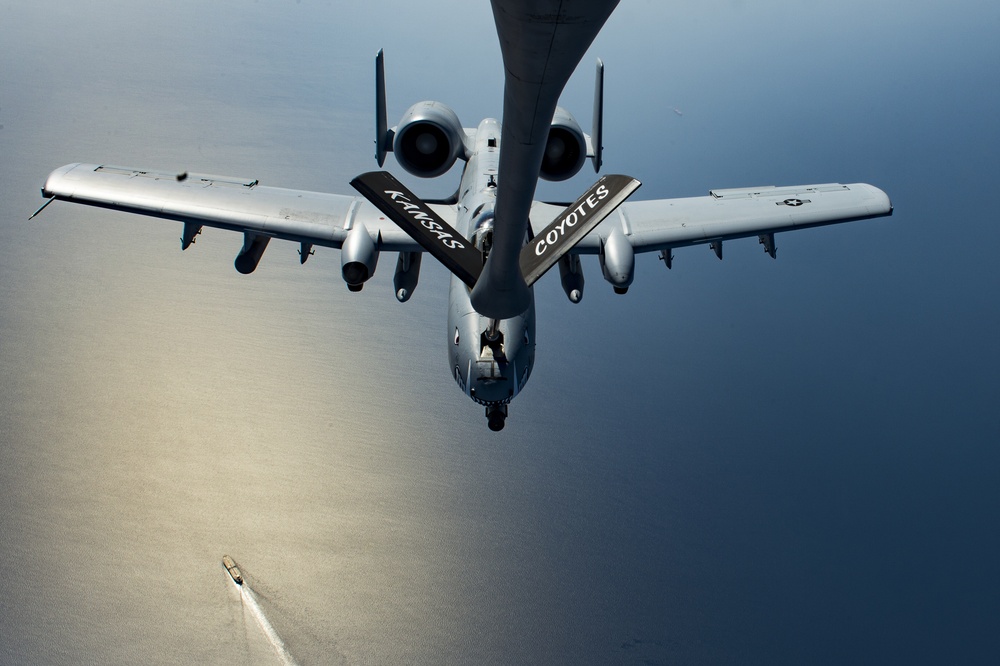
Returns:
<point x="381" y="124"/>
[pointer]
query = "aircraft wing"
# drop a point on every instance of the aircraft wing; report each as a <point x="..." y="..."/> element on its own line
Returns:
<point x="727" y="214"/>
<point x="237" y="204"/>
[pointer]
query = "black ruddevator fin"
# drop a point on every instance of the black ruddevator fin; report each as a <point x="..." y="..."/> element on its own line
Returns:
<point x="425" y="226"/>
<point x="575" y="222"/>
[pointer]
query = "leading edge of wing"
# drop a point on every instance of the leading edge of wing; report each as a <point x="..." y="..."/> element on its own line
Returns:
<point x="729" y="214"/>
<point x="236" y="204"/>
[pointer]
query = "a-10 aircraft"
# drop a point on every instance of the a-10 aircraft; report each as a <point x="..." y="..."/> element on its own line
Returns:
<point x="493" y="237"/>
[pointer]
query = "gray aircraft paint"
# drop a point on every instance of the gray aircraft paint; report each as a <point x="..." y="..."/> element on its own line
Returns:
<point x="787" y="462"/>
<point x="479" y="374"/>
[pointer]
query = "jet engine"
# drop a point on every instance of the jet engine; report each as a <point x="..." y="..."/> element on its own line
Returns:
<point x="358" y="257"/>
<point x="428" y="139"/>
<point x="566" y="148"/>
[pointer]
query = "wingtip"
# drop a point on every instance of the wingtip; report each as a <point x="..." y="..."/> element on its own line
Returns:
<point x="884" y="203"/>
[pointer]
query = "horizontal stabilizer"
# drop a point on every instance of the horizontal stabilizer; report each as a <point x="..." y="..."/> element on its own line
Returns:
<point x="573" y="223"/>
<point x="414" y="217"/>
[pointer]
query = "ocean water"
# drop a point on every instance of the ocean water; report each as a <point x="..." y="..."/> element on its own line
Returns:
<point x="738" y="462"/>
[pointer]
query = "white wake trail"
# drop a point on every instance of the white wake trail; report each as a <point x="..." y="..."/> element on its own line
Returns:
<point x="250" y="602"/>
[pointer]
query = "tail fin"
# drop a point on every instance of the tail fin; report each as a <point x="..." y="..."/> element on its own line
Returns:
<point x="383" y="137"/>
<point x="575" y="222"/>
<point x="597" y="135"/>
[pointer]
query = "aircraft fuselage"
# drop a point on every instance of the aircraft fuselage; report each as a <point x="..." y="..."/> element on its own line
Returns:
<point x="491" y="366"/>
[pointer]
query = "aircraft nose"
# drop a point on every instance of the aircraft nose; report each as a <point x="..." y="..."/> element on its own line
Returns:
<point x="491" y="384"/>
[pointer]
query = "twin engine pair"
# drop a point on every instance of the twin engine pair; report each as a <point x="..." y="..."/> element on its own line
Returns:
<point x="429" y="139"/>
<point x="426" y="143"/>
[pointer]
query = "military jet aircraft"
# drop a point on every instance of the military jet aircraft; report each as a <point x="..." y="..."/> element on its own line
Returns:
<point x="492" y="235"/>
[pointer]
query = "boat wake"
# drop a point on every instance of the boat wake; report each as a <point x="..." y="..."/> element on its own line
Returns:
<point x="251" y="605"/>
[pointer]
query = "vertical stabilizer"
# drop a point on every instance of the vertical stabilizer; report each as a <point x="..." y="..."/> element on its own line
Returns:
<point x="381" y="124"/>
<point x="597" y="136"/>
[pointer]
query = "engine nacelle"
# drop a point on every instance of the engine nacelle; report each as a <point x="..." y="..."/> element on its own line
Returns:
<point x="428" y="139"/>
<point x="566" y="148"/>
<point x="618" y="260"/>
<point x="358" y="257"/>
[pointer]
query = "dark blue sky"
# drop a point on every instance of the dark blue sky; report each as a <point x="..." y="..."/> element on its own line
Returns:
<point x="790" y="461"/>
